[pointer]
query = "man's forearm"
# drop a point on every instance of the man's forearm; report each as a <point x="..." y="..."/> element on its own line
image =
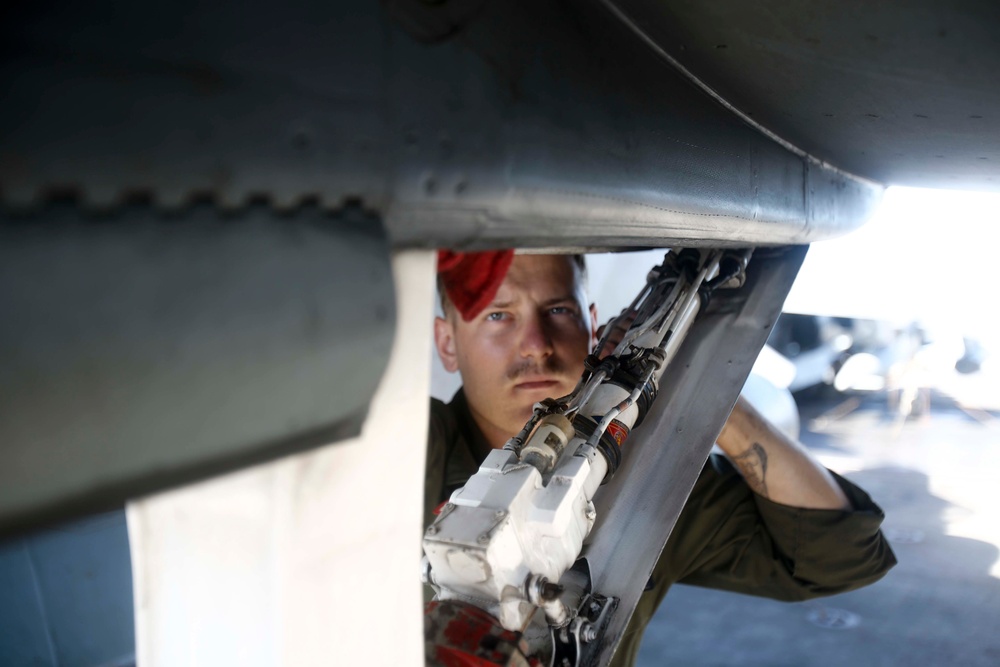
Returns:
<point x="774" y="465"/>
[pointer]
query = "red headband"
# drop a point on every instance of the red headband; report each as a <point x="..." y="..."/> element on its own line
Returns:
<point x="471" y="279"/>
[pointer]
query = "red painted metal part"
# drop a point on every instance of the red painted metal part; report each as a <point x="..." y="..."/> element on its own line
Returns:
<point x="457" y="634"/>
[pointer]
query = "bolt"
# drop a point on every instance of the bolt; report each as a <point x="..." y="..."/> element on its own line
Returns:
<point x="499" y="514"/>
<point x="449" y="507"/>
<point x="550" y="591"/>
<point x="483" y="539"/>
<point x="432" y="530"/>
<point x="588" y="633"/>
<point x="533" y="587"/>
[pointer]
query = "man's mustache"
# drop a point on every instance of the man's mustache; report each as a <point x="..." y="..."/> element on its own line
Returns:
<point x="530" y="368"/>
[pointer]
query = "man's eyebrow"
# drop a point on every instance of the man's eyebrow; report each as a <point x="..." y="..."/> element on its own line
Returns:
<point x="507" y="303"/>
<point x="569" y="298"/>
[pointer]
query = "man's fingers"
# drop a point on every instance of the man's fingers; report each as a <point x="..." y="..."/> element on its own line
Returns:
<point x="621" y="325"/>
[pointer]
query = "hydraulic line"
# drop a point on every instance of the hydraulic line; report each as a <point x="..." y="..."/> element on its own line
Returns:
<point x="667" y="338"/>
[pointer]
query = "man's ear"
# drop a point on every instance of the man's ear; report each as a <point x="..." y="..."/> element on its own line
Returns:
<point x="593" y="326"/>
<point x="444" y="341"/>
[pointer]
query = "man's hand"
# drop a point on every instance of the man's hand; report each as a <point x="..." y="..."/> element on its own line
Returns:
<point x="617" y="332"/>
<point x="773" y="465"/>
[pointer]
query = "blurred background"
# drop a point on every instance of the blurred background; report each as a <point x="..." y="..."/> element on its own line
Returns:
<point x="893" y="335"/>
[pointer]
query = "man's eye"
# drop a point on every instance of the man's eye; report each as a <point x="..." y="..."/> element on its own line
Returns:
<point x="560" y="310"/>
<point x="496" y="317"/>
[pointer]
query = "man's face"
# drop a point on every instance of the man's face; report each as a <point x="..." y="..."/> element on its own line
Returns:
<point x="529" y="344"/>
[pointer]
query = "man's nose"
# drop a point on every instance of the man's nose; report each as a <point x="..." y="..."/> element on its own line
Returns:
<point x="536" y="340"/>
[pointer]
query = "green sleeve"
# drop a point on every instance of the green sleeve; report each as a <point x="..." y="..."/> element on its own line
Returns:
<point x="730" y="538"/>
<point x="727" y="537"/>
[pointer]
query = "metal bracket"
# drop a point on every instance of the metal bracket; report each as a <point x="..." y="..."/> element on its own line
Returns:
<point x="595" y="614"/>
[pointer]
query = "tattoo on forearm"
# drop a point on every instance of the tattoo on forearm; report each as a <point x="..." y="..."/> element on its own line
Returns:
<point x="753" y="464"/>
